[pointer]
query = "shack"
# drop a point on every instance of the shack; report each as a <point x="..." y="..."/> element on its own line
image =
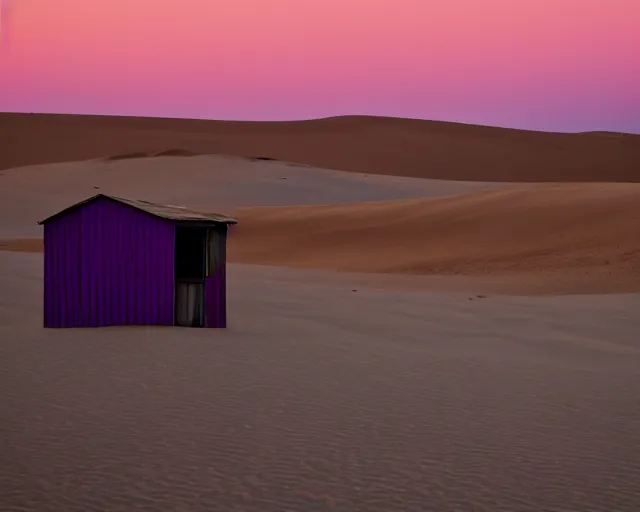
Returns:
<point x="115" y="261"/>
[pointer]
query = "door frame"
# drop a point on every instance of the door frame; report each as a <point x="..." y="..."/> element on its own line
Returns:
<point x="201" y="280"/>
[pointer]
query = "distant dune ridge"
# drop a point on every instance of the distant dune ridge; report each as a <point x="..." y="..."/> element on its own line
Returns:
<point x="151" y="154"/>
<point x="373" y="145"/>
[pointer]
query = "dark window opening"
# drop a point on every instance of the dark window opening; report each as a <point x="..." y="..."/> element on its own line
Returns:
<point x="190" y="253"/>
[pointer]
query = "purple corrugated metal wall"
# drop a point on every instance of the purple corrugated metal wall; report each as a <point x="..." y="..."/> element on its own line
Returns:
<point x="216" y="284"/>
<point x="108" y="264"/>
<point x="216" y="300"/>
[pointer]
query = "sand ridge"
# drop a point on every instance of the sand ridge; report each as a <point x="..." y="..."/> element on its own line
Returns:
<point x="527" y="238"/>
<point x="212" y="182"/>
<point x="364" y="144"/>
<point x="561" y="233"/>
<point x="554" y="238"/>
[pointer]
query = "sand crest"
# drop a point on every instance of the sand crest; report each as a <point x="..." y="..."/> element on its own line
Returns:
<point x="577" y="236"/>
<point x="372" y="145"/>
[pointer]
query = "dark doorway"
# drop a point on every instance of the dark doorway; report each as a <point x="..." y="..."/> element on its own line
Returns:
<point x="190" y="276"/>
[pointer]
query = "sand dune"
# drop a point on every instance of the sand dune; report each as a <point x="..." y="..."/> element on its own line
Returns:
<point x="22" y="244"/>
<point x="372" y="145"/>
<point x="151" y="154"/>
<point x="215" y="182"/>
<point x="562" y="238"/>
<point x="583" y="234"/>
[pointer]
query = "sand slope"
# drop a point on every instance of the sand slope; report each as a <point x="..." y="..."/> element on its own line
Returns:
<point x="553" y="232"/>
<point x="363" y="144"/>
<point x="214" y="182"/>
<point x="563" y="238"/>
<point x="529" y="238"/>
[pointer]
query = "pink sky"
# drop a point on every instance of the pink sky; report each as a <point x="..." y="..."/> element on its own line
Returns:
<point x="563" y="65"/>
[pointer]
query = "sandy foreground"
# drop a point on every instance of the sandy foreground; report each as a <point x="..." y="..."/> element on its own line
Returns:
<point x="437" y="382"/>
<point x="321" y="398"/>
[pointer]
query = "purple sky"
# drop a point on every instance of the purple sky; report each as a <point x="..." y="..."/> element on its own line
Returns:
<point x="562" y="65"/>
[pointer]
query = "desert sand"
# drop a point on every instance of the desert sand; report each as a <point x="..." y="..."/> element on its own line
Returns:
<point x="369" y="145"/>
<point x="522" y="239"/>
<point x="442" y="344"/>
<point x="558" y="238"/>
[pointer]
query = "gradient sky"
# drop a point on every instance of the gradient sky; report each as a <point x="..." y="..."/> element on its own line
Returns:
<point x="561" y="65"/>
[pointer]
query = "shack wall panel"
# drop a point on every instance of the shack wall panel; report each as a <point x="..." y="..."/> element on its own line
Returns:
<point x="108" y="264"/>
<point x="216" y="282"/>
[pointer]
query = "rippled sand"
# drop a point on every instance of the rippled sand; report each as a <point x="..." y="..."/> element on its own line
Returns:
<point x="319" y="397"/>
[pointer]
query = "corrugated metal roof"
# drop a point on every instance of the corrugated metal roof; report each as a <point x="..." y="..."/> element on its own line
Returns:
<point x="165" y="211"/>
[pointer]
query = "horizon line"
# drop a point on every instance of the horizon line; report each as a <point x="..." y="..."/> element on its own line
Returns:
<point x="325" y="118"/>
